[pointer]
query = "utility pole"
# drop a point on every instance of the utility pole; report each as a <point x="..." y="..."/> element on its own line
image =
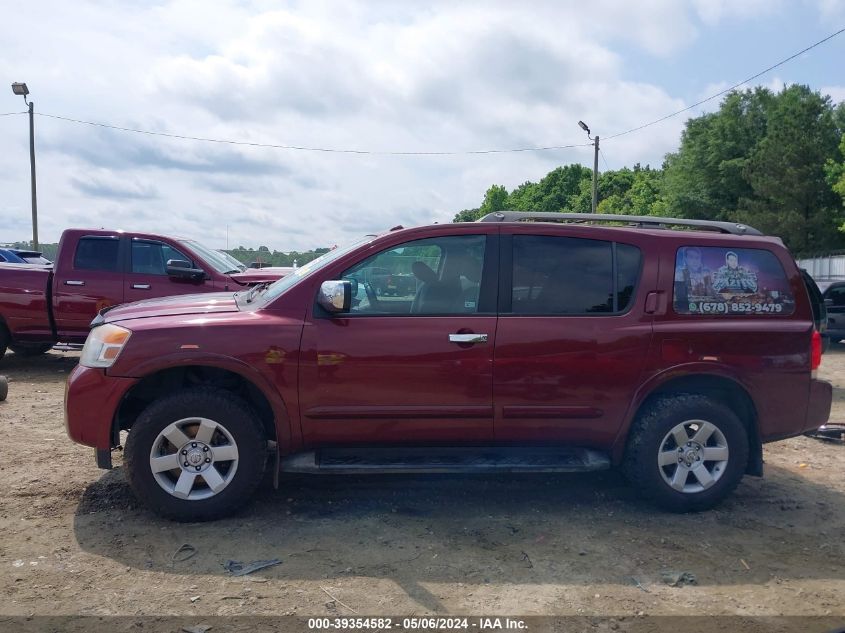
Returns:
<point x="21" y="90"/>
<point x="595" y="165"/>
<point x="596" y="176"/>
<point x="32" y="175"/>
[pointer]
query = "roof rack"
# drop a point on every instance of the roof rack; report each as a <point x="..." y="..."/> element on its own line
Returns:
<point x="640" y="221"/>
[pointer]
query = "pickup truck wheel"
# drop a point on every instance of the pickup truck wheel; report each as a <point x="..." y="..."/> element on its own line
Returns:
<point x="30" y="349"/>
<point x="686" y="452"/>
<point x="196" y="455"/>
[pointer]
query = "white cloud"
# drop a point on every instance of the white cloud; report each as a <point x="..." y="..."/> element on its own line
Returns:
<point x="373" y="75"/>
<point x="712" y="12"/>
<point x="836" y="93"/>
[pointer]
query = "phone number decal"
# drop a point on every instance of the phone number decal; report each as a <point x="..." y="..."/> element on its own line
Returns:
<point x="715" y="307"/>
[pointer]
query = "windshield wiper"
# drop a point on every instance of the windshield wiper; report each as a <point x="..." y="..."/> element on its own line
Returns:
<point x="255" y="290"/>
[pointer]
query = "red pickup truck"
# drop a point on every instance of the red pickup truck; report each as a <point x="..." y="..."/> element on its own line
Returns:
<point x="96" y="269"/>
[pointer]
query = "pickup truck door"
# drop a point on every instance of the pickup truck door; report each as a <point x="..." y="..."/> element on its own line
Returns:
<point x="413" y="365"/>
<point x="85" y="282"/>
<point x="146" y="274"/>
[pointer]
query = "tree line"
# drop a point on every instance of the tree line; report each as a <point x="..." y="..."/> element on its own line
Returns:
<point x="245" y="255"/>
<point x="770" y="160"/>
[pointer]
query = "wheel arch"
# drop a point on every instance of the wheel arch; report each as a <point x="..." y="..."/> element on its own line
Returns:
<point x="719" y="386"/>
<point x="269" y="407"/>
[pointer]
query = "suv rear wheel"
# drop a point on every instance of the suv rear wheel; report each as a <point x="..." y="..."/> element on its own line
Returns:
<point x="686" y="452"/>
<point x="196" y="455"/>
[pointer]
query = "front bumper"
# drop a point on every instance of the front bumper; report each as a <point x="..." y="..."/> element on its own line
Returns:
<point x="92" y="399"/>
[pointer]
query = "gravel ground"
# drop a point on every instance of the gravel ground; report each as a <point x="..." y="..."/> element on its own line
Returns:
<point x="75" y="541"/>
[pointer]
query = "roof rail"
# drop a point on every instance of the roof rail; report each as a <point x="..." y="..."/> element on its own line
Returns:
<point x="640" y="221"/>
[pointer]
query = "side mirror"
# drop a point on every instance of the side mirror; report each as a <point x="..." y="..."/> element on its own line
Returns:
<point x="183" y="269"/>
<point x="335" y="296"/>
<point x="354" y="283"/>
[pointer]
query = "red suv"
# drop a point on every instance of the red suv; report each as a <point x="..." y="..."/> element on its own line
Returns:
<point x="528" y="342"/>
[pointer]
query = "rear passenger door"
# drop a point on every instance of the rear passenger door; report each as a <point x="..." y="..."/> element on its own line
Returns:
<point x="93" y="280"/>
<point x="147" y="276"/>
<point x="572" y="334"/>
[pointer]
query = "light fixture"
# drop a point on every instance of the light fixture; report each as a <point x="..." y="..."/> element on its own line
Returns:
<point x="20" y="89"/>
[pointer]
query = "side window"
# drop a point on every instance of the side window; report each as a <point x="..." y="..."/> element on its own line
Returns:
<point x="439" y="275"/>
<point x="151" y="258"/>
<point x="730" y="281"/>
<point x="97" y="253"/>
<point x="567" y="275"/>
<point x="628" y="260"/>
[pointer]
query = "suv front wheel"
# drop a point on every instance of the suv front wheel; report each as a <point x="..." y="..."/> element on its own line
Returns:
<point x="686" y="452"/>
<point x="195" y="455"/>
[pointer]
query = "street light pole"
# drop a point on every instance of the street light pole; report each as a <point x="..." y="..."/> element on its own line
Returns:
<point x="20" y="89"/>
<point x="595" y="165"/>
<point x="32" y="175"/>
<point x="596" y="175"/>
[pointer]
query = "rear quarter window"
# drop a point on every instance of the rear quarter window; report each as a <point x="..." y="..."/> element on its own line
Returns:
<point x="97" y="253"/>
<point x="730" y="282"/>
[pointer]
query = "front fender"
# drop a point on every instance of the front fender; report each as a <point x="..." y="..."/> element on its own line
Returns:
<point x="150" y="366"/>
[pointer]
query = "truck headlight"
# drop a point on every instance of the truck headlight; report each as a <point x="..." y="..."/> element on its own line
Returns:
<point x="103" y="345"/>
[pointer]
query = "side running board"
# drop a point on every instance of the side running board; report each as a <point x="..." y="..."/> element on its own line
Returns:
<point x="474" y="459"/>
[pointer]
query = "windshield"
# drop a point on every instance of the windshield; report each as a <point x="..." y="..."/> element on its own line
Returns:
<point x="288" y="281"/>
<point x="235" y="263"/>
<point x="214" y="258"/>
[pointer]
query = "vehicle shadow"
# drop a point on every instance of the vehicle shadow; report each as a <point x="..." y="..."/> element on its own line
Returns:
<point x="38" y="369"/>
<point x="588" y="529"/>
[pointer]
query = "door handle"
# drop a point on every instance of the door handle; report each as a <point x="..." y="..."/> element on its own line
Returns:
<point x="467" y="338"/>
<point x="74" y="282"/>
<point x="141" y="286"/>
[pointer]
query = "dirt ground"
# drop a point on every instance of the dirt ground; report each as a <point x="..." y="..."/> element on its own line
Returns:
<point x="75" y="541"/>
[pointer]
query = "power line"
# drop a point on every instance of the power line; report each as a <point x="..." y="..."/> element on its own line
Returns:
<point x="11" y="113"/>
<point x="312" y="149"/>
<point x="727" y="90"/>
<point x="330" y="150"/>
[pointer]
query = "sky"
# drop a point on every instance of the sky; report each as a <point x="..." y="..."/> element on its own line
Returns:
<point x="376" y="75"/>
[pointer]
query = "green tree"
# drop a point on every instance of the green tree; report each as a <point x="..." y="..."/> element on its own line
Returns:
<point x="496" y="199"/>
<point x="786" y="171"/>
<point x="467" y="215"/>
<point x="835" y="172"/>
<point x="558" y="190"/>
<point x="705" y="177"/>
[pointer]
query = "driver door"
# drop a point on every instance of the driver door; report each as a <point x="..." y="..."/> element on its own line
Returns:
<point x="412" y="360"/>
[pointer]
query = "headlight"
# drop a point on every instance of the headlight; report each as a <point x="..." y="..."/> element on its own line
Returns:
<point x="103" y="345"/>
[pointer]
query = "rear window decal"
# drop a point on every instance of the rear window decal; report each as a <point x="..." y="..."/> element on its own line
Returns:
<point x="730" y="281"/>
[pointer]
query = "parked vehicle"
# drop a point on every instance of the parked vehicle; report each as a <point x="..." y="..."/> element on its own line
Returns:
<point x="20" y="256"/>
<point x="97" y="269"/>
<point x="834" y="301"/>
<point x="557" y="343"/>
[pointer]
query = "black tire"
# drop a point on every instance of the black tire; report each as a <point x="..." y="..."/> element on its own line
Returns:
<point x="223" y="408"/>
<point x="4" y="339"/>
<point x="652" y="425"/>
<point x="30" y="349"/>
<point x="4" y="388"/>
